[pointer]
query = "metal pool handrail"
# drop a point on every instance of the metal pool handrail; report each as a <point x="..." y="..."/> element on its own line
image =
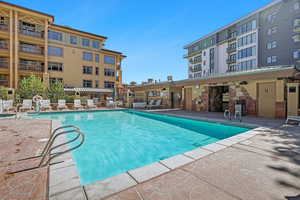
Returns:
<point x="47" y="151"/>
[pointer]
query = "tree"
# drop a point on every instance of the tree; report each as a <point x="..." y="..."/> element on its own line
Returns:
<point x="56" y="91"/>
<point x="3" y="93"/>
<point x="30" y="86"/>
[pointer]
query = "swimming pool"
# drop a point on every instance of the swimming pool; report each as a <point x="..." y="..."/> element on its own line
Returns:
<point x="118" y="141"/>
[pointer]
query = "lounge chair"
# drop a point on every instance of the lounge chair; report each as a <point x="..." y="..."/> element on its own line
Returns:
<point x="139" y="105"/>
<point x="45" y="104"/>
<point x="90" y="103"/>
<point x="61" y="104"/>
<point x="77" y="104"/>
<point x="157" y="104"/>
<point x="293" y="118"/>
<point x="26" y="105"/>
<point x="151" y="103"/>
<point x="110" y="103"/>
<point x="7" y="105"/>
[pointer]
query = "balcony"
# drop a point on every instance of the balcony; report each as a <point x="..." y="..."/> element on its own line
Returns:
<point x="232" y="36"/>
<point x="231" y="49"/>
<point x="230" y="61"/>
<point x="118" y="67"/>
<point x="32" y="49"/>
<point x="3" y="44"/>
<point x="3" y="63"/>
<point x="32" y="33"/>
<point x="31" y="66"/>
<point x="3" y="27"/>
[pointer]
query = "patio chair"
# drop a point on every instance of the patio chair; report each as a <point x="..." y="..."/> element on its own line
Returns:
<point x="157" y="104"/>
<point x="45" y="104"/>
<point x="151" y="103"/>
<point x="110" y="104"/>
<point x="90" y="103"/>
<point x="293" y="118"/>
<point x="61" y="104"/>
<point x="77" y="104"/>
<point x="26" y="105"/>
<point x="7" y="105"/>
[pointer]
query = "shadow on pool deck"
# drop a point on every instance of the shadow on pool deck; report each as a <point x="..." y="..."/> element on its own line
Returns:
<point x="20" y="139"/>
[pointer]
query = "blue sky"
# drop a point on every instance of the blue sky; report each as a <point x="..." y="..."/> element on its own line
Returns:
<point x="150" y="33"/>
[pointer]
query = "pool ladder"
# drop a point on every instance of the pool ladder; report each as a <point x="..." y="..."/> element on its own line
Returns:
<point x="47" y="155"/>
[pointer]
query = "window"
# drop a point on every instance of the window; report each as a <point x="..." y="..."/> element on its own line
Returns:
<point x="97" y="70"/>
<point x="271" y="59"/>
<point x="87" y="70"/>
<point x="296" y="5"/>
<point x="87" y="56"/>
<point x="296" y="54"/>
<point x="271" y="44"/>
<point x="296" y="22"/>
<point x="296" y="38"/>
<point x="55" y="51"/>
<point x="97" y="58"/>
<point x="246" y="40"/>
<point x="109" y="84"/>
<point x="197" y="59"/>
<point x="87" y="83"/>
<point x="54" y="35"/>
<point x="272" y="17"/>
<point x="54" y="66"/>
<point x="109" y="60"/>
<point x="109" y="72"/>
<point x="85" y="42"/>
<point x="54" y="80"/>
<point x="73" y="39"/>
<point x="96" y="83"/>
<point x="272" y="30"/>
<point x="96" y="44"/>
<point x="247" y="52"/>
<point x="204" y="53"/>
<point x="246" y="27"/>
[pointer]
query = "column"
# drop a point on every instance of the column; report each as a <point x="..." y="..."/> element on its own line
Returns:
<point x="46" y="74"/>
<point x="16" y="61"/>
<point x="11" y="72"/>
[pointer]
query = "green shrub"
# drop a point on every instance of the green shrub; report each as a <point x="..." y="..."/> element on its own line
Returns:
<point x="56" y="91"/>
<point x="3" y="93"/>
<point x="69" y="99"/>
<point x="29" y="87"/>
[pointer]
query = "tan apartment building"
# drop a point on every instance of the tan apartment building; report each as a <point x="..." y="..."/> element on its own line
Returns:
<point x="30" y="43"/>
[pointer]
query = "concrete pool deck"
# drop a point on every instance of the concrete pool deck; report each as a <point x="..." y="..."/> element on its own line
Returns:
<point x="264" y="165"/>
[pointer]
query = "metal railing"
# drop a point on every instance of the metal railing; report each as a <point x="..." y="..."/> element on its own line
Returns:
<point x="31" y="49"/>
<point x="3" y="44"/>
<point x="47" y="155"/>
<point x="31" y="67"/>
<point x="3" y="64"/>
<point x="4" y="27"/>
<point x="32" y="33"/>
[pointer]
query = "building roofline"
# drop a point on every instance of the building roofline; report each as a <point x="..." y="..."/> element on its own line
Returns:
<point x="226" y="75"/>
<point x="112" y="51"/>
<point x="28" y="9"/>
<point x="274" y="2"/>
<point x="77" y="30"/>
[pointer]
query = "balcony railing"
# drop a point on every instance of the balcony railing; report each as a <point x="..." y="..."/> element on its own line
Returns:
<point x="231" y="49"/>
<point x="32" y="49"/>
<point x="4" y="64"/>
<point x="33" y="67"/>
<point x="4" y="27"/>
<point x="3" y="44"/>
<point x="230" y="61"/>
<point x="195" y="69"/>
<point x="32" y="33"/>
<point x="4" y="82"/>
<point x="232" y="36"/>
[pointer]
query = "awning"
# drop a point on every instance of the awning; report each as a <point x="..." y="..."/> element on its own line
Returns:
<point x="99" y="90"/>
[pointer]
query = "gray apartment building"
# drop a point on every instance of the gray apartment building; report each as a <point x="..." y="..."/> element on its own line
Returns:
<point x="269" y="36"/>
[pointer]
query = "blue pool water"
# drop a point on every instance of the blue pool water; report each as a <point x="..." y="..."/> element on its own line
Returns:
<point x="118" y="141"/>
